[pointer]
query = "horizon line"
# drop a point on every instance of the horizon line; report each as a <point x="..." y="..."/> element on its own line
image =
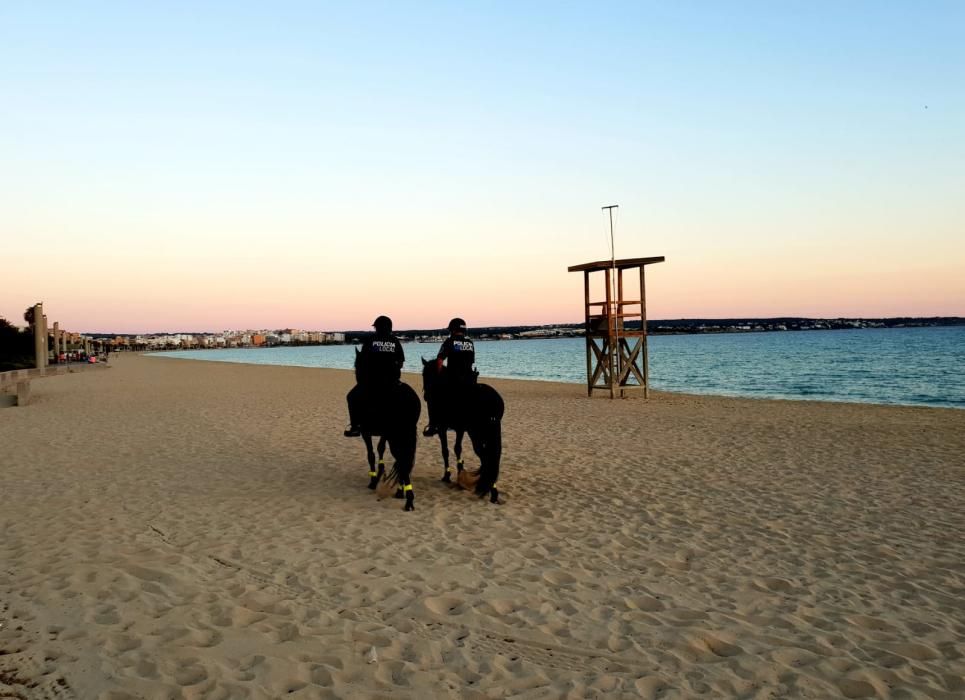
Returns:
<point x="549" y="325"/>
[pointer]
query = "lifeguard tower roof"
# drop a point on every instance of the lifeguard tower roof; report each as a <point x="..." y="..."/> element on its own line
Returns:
<point x="618" y="264"/>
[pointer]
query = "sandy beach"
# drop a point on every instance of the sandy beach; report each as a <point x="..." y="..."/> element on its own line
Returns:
<point x="184" y="529"/>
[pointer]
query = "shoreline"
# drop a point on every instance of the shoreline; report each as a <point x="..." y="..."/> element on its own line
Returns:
<point x="198" y="529"/>
<point x="171" y="354"/>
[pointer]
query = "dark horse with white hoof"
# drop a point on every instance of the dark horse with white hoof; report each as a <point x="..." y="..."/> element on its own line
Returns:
<point x="374" y="475"/>
<point x="476" y="409"/>
<point x="392" y="412"/>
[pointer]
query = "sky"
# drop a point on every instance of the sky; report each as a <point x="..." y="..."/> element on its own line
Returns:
<point x="205" y="166"/>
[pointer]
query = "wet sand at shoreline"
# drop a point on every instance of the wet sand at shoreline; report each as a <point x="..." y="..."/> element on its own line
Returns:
<point x="174" y="528"/>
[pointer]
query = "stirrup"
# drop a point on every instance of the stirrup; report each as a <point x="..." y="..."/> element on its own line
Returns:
<point x="429" y="431"/>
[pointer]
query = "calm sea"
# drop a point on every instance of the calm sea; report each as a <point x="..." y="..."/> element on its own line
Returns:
<point x="913" y="366"/>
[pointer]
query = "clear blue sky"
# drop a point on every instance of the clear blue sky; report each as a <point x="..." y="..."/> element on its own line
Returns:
<point x="429" y="159"/>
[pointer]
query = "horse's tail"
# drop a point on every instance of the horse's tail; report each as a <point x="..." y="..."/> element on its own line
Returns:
<point x="489" y="457"/>
<point x="404" y="434"/>
<point x="487" y="437"/>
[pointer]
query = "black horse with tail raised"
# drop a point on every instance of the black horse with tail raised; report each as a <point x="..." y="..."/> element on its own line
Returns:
<point x="476" y="409"/>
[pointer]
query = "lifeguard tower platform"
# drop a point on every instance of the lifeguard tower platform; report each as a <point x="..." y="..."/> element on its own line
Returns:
<point x="616" y="353"/>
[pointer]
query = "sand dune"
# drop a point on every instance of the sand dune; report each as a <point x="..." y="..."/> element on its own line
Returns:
<point x="180" y="529"/>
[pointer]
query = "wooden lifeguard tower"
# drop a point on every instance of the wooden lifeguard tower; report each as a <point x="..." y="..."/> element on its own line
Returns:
<point x="616" y="355"/>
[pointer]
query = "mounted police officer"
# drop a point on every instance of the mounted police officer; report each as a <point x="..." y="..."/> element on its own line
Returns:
<point x="459" y="353"/>
<point x="378" y="368"/>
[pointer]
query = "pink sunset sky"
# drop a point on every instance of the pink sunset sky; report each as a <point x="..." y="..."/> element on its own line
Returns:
<point x="277" y="168"/>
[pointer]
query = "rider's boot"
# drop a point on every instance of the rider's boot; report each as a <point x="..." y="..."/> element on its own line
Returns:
<point x="352" y="431"/>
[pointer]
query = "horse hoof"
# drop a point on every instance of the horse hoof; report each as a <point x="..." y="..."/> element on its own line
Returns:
<point x="373" y="483"/>
<point x="399" y="494"/>
<point x="447" y="477"/>
<point x="494" y="496"/>
<point x="408" y="507"/>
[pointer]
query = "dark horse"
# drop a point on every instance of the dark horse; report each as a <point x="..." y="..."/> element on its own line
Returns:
<point x="391" y="412"/>
<point x="476" y="409"/>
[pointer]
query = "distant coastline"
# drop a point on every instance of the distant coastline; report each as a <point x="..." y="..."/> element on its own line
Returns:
<point x="912" y="366"/>
<point x="685" y="326"/>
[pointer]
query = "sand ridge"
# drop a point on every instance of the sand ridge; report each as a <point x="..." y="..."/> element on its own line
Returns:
<point x="174" y="528"/>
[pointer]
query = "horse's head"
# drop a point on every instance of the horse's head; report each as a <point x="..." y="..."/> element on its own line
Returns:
<point x="430" y="375"/>
<point x="359" y="366"/>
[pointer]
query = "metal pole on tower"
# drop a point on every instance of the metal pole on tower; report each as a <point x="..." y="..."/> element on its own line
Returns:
<point x="615" y="320"/>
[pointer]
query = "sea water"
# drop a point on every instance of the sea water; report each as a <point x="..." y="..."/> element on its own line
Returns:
<point x="912" y="366"/>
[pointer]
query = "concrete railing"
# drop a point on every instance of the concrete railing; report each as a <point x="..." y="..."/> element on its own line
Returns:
<point x="18" y="380"/>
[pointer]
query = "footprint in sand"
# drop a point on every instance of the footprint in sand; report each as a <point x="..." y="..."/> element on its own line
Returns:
<point x="643" y="602"/>
<point x="853" y="688"/>
<point x="720" y="647"/>
<point x="204" y="638"/>
<point x="145" y="668"/>
<point x="794" y="657"/>
<point x="107" y="616"/>
<point x="392" y="673"/>
<point x="170" y="634"/>
<point x="286" y="632"/>
<point x="446" y="605"/>
<point x="775" y="585"/>
<point x="870" y="623"/>
<point x="121" y="643"/>
<point x="681" y="561"/>
<point x="190" y="675"/>
<point x="502" y="606"/>
<point x="618" y="642"/>
<point x="558" y="577"/>
<point x="650" y="687"/>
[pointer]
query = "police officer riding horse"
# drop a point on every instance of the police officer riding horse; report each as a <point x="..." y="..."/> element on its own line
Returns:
<point x="457" y="402"/>
<point x="458" y="353"/>
<point x="381" y="404"/>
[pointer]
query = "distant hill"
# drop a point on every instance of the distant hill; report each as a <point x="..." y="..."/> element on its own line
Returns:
<point x="710" y="325"/>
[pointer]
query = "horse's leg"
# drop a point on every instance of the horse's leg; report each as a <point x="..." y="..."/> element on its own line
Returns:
<point x="460" y="462"/>
<point x="370" y="454"/>
<point x="444" y="444"/>
<point x="465" y="478"/>
<point x="402" y="446"/>
<point x="399" y="492"/>
<point x="381" y="472"/>
<point x="409" y="495"/>
<point x="495" y="457"/>
<point x="408" y="455"/>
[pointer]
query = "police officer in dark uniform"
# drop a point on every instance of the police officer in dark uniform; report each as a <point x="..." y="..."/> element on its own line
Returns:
<point x="378" y="368"/>
<point x="459" y="353"/>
